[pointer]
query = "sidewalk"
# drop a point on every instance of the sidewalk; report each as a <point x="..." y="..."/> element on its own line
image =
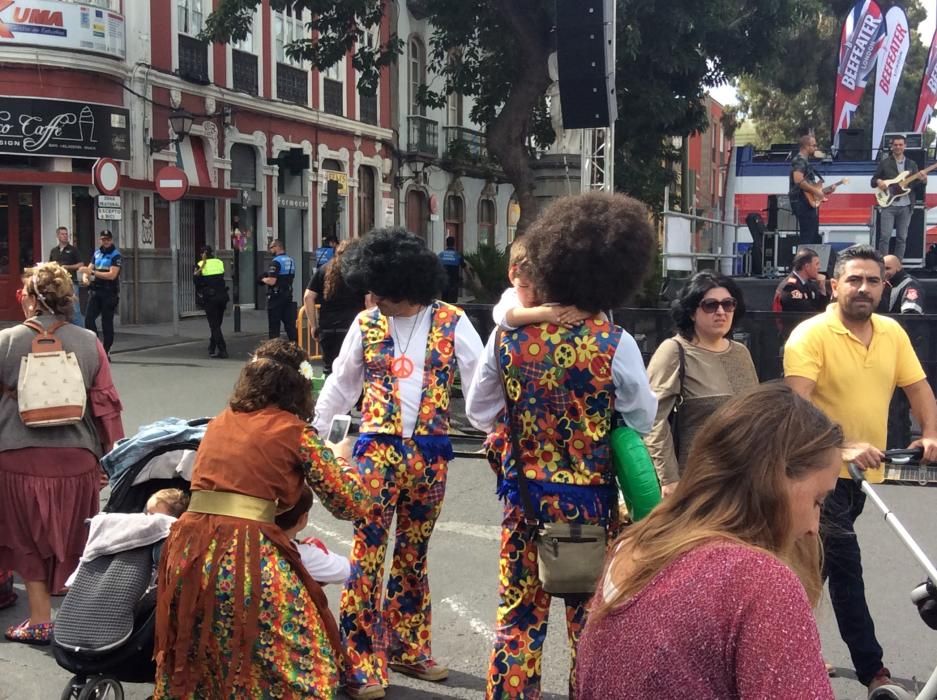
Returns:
<point x="128" y="338"/>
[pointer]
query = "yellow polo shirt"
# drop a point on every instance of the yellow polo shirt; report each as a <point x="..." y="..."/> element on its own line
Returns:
<point x="854" y="384"/>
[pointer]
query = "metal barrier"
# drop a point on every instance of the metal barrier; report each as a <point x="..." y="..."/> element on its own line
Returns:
<point x="304" y="337"/>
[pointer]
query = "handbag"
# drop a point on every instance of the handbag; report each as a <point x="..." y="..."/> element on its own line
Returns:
<point x="570" y="556"/>
<point x="674" y="417"/>
<point x="50" y="390"/>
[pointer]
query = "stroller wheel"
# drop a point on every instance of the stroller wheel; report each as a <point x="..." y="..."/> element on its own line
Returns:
<point x="73" y="689"/>
<point x="102" y="688"/>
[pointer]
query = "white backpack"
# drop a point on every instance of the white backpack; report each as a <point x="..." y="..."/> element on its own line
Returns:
<point x="51" y="389"/>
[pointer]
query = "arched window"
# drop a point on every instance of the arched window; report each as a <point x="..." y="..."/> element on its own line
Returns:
<point x="365" y="199"/>
<point x="417" y="75"/>
<point x="486" y="221"/>
<point x="514" y="215"/>
<point x="417" y="212"/>
<point x="455" y="218"/>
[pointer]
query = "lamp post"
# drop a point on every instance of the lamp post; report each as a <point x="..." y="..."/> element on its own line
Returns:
<point x="181" y="123"/>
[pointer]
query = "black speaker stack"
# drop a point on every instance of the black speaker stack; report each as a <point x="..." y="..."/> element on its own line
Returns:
<point x="586" y="63"/>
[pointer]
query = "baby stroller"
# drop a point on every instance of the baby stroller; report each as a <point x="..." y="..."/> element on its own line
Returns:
<point x="105" y="628"/>
<point x="925" y="595"/>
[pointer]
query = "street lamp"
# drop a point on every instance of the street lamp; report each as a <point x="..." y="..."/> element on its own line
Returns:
<point x="181" y="123"/>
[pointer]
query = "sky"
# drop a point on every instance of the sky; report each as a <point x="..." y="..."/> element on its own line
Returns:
<point x="726" y="94"/>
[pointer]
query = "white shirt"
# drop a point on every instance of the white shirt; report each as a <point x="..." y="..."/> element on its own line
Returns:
<point x="633" y="396"/>
<point x="324" y="565"/>
<point x="507" y="302"/>
<point x="343" y="386"/>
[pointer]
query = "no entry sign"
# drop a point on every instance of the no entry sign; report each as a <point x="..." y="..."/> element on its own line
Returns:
<point x="172" y="183"/>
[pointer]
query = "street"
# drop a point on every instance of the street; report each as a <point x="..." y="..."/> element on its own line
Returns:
<point x="180" y="380"/>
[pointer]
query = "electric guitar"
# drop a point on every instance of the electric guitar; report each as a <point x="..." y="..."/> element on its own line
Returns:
<point x="898" y="186"/>
<point x="815" y="200"/>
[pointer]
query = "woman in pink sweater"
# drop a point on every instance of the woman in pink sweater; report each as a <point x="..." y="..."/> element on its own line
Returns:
<point x="711" y="595"/>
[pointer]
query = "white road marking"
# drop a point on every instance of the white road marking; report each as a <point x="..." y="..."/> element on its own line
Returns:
<point x="331" y="534"/>
<point x="483" y="532"/>
<point x="478" y="627"/>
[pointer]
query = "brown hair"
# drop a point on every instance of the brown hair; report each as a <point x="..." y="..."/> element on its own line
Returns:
<point x="735" y="489"/>
<point x="287" y="519"/>
<point x="272" y="378"/>
<point x="333" y="270"/>
<point x="51" y="286"/>
<point x="518" y="253"/>
<point x="176" y="500"/>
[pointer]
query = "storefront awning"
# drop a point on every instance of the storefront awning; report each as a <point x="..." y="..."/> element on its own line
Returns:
<point x="194" y="162"/>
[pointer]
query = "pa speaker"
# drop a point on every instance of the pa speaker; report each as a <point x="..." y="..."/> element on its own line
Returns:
<point x="756" y="226"/>
<point x="914" y="245"/>
<point x="853" y="145"/>
<point x="586" y="63"/>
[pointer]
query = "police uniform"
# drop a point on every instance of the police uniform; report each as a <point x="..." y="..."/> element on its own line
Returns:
<point x="324" y="254"/>
<point x="104" y="295"/>
<point x="212" y="296"/>
<point x="903" y="295"/>
<point x="280" y="305"/>
<point x="795" y="294"/>
<point x="451" y="261"/>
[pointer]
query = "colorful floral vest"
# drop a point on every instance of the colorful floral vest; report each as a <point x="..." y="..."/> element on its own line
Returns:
<point x="563" y="380"/>
<point x="380" y="410"/>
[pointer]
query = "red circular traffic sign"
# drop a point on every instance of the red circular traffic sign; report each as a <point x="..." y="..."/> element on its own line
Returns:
<point x="105" y="175"/>
<point x="172" y="183"/>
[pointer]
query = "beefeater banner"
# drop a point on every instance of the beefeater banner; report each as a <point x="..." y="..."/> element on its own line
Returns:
<point x="859" y="47"/>
<point x="890" y="65"/>
<point x="927" y="99"/>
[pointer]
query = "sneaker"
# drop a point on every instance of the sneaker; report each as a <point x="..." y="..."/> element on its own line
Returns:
<point x="883" y="678"/>
<point x="368" y="691"/>
<point x="425" y="671"/>
<point x="40" y="634"/>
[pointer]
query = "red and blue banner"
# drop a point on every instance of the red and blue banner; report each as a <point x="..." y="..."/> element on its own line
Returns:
<point x="927" y="99"/>
<point x="860" y="44"/>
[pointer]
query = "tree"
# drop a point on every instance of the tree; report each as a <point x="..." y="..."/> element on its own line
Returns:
<point x="787" y="98"/>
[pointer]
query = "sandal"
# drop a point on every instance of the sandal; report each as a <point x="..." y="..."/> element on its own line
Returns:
<point x="39" y="634"/>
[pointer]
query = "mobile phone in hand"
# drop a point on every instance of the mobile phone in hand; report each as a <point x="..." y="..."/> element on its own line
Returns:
<point x="339" y="428"/>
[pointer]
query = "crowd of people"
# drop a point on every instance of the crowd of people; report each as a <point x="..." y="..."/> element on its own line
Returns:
<point x="757" y="510"/>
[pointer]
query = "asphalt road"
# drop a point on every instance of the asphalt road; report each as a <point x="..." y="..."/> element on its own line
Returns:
<point x="181" y="381"/>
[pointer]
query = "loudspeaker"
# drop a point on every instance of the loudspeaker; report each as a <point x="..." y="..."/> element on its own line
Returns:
<point x="772" y="213"/>
<point x="585" y="63"/>
<point x="914" y="246"/>
<point x="853" y="145"/>
<point x="756" y="227"/>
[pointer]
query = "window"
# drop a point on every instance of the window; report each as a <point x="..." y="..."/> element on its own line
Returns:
<point x="514" y="215"/>
<point x="333" y="89"/>
<point x="486" y="221"/>
<point x="455" y="217"/>
<point x="454" y="109"/>
<point x="190" y="16"/>
<point x="365" y="200"/>
<point x="417" y="76"/>
<point x="287" y="28"/>
<point x="247" y="43"/>
<point x="417" y="212"/>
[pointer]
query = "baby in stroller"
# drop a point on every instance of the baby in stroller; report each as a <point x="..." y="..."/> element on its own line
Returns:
<point x="105" y="628"/>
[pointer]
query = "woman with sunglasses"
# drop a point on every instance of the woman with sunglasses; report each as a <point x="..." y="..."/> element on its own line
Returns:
<point x="696" y="371"/>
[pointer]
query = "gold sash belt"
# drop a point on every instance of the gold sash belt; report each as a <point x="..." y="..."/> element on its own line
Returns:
<point x="235" y="505"/>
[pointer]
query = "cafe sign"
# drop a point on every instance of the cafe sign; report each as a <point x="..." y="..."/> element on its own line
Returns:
<point x="36" y="127"/>
<point x="62" y="25"/>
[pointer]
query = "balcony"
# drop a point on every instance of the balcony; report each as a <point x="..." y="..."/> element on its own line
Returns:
<point x="193" y="59"/>
<point x="368" y="105"/>
<point x="465" y="145"/>
<point x="292" y="84"/>
<point x="423" y="136"/>
<point x="244" y="71"/>
<point x="333" y="97"/>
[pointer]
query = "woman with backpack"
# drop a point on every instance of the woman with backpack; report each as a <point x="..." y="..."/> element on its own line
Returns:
<point x="49" y="472"/>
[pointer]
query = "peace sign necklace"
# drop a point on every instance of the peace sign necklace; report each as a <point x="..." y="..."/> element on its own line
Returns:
<point x="402" y="367"/>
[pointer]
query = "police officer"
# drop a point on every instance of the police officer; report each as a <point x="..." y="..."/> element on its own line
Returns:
<point x="279" y="280"/>
<point x="802" y="290"/>
<point x="326" y="251"/>
<point x="102" y="278"/>
<point x="211" y="294"/>
<point x="902" y="295"/>
<point x="452" y="263"/>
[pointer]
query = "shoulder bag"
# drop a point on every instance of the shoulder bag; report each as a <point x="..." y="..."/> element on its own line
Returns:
<point x="674" y="417"/>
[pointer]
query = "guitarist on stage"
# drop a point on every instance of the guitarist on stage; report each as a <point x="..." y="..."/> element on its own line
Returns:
<point x="805" y="180"/>
<point x="897" y="216"/>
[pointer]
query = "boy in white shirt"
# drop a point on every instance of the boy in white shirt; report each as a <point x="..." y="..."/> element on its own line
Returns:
<point x="323" y="565"/>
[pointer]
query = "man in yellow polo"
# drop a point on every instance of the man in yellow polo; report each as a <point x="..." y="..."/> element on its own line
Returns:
<point x="848" y="361"/>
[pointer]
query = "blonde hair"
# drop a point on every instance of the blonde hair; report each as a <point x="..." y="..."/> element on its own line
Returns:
<point x="175" y="500"/>
<point x="518" y="254"/>
<point x="51" y="286"/>
<point x="734" y="490"/>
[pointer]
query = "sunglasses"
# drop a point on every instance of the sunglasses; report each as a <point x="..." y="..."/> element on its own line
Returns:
<point x="709" y="306"/>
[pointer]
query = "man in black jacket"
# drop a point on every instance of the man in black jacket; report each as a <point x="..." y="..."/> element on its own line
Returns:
<point x="896" y="216"/>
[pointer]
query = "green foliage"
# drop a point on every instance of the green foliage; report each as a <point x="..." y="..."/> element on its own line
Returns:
<point x="790" y="96"/>
<point x="489" y="273"/>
